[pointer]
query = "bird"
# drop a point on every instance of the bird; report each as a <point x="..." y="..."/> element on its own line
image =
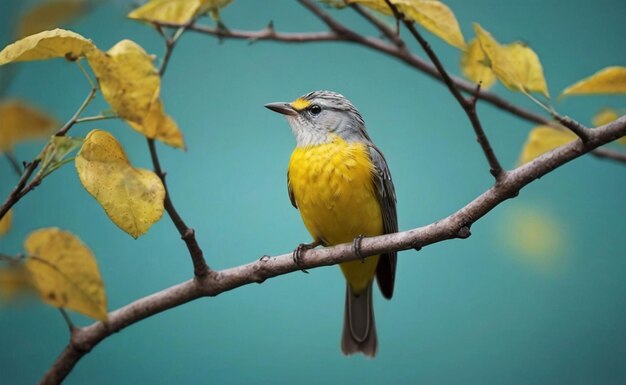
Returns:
<point x="340" y="182"/>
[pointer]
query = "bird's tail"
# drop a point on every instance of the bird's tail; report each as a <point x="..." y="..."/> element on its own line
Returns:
<point x="359" y="328"/>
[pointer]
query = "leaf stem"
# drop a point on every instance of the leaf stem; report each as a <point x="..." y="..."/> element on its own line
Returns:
<point x="96" y="118"/>
<point x="82" y="69"/>
<point x="67" y="319"/>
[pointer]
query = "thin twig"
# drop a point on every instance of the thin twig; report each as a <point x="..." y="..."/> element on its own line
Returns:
<point x="96" y="118"/>
<point x="200" y="267"/>
<point x="393" y="36"/>
<point x="495" y="168"/>
<point x="74" y="119"/>
<point x="577" y="128"/>
<point x="610" y="154"/>
<point x="454" y="226"/>
<point x="346" y="35"/>
<point x="14" y="163"/>
<point x="468" y="105"/>
<point x="19" y="190"/>
<point x="22" y="188"/>
<point x="68" y="320"/>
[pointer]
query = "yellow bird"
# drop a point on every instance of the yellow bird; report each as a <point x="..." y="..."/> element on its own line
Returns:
<point x="341" y="184"/>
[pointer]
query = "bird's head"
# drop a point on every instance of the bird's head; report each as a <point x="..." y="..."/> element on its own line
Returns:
<point x="315" y="118"/>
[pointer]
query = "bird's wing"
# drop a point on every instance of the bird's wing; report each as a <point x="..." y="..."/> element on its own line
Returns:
<point x="290" y="191"/>
<point x="386" y="194"/>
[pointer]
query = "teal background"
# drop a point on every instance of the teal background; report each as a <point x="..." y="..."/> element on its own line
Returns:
<point x="477" y="311"/>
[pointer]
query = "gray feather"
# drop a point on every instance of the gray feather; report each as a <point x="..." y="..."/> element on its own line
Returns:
<point x="386" y="194"/>
<point x="359" y="327"/>
<point x="292" y="198"/>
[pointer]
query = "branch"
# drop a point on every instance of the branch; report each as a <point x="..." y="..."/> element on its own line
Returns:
<point x="610" y="154"/>
<point x="468" y="105"/>
<point x="376" y="44"/>
<point x="200" y="267"/>
<point x="22" y="188"/>
<point x="454" y="226"/>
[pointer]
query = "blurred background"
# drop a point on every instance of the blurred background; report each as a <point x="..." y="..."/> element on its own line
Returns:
<point x="537" y="295"/>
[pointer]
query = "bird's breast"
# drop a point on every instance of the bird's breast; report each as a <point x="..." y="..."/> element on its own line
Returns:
<point x="334" y="191"/>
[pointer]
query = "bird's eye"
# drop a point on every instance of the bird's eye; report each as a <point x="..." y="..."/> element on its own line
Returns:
<point x="315" y="109"/>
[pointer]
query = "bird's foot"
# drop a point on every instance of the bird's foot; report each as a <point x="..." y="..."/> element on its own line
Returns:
<point x="297" y="253"/>
<point x="356" y="247"/>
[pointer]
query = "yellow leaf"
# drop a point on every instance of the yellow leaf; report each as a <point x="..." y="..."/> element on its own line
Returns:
<point x="131" y="84"/>
<point x="436" y="17"/>
<point x="515" y="65"/>
<point x="49" y="15"/>
<point x="47" y="45"/>
<point x="160" y="126"/>
<point x="19" y="122"/>
<point x="131" y="197"/>
<point x="543" y="139"/>
<point x="473" y="65"/>
<point x="377" y="5"/>
<point x="5" y="222"/>
<point x="433" y="15"/>
<point x="606" y="116"/>
<point x="610" y="80"/>
<point x="127" y="77"/>
<point x="176" y="11"/>
<point x="213" y="7"/>
<point x="14" y="280"/>
<point x="65" y="272"/>
<point x="535" y="237"/>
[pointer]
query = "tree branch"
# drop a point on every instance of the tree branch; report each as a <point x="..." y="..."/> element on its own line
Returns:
<point x="22" y="188"/>
<point x="610" y="154"/>
<point x="373" y="43"/>
<point x="454" y="226"/>
<point x="200" y="267"/>
<point x="468" y="105"/>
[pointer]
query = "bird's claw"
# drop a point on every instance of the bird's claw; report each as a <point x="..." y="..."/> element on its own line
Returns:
<point x="356" y="247"/>
<point x="297" y="255"/>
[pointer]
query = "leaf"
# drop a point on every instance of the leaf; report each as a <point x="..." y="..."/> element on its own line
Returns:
<point x="339" y="4"/>
<point x="515" y="65"/>
<point x="130" y="83"/>
<point x="473" y="65"/>
<point x="47" y="45"/>
<point x="610" y="80"/>
<point x="5" y="222"/>
<point x="606" y="116"/>
<point x="543" y="139"/>
<point x="436" y="17"/>
<point x="14" y="280"/>
<point x="534" y="236"/>
<point x="176" y="11"/>
<point x="65" y="272"/>
<point x="433" y="15"/>
<point x="55" y="152"/>
<point x="49" y="15"/>
<point x="132" y="198"/>
<point x="20" y="122"/>
<point x="160" y="126"/>
<point x="127" y="77"/>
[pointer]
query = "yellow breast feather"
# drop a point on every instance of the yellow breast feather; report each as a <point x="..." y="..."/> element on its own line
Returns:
<point x="333" y="188"/>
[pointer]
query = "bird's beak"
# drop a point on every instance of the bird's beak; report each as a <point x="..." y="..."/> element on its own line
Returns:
<point x="282" y="108"/>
